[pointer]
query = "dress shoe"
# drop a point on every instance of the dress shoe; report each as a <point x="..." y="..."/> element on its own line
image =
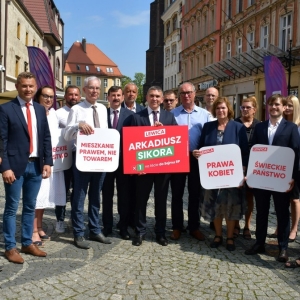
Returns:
<point x="124" y="234"/>
<point x="283" y="256"/>
<point x="255" y="249"/>
<point x="33" y="250"/>
<point x="162" y="240"/>
<point x="229" y="246"/>
<point x="138" y="240"/>
<point x="218" y="240"/>
<point x="175" y="235"/>
<point x="100" y="238"/>
<point x="197" y="234"/>
<point x="14" y="256"/>
<point x="106" y="231"/>
<point x="80" y="242"/>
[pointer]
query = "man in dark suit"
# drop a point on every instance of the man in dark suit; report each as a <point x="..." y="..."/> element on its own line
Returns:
<point x="27" y="158"/>
<point x="130" y="92"/>
<point x="1" y="149"/>
<point x="277" y="132"/>
<point x="117" y="117"/>
<point x="152" y="116"/>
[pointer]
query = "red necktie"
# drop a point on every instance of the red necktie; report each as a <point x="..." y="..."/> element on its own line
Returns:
<point x="29" y="125"/>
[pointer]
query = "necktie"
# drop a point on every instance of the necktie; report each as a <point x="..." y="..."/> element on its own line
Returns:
<point x="154" y="116"/>
<point x="95" y="117"/>
<point x="29" y="125"/>
<point x="116" y="119"/>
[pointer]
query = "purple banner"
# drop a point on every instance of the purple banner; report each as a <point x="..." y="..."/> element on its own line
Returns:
<point x="39" y="65"/>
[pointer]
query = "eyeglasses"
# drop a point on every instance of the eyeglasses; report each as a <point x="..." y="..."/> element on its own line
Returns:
<point x="186" y="93"/>
<point x="45" y="96"/>
<point x="245" y="107"/>
<point x="169" y="100"/>
<point x="92" y="88"/>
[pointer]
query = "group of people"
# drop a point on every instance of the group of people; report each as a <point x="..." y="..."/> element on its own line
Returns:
<point x="27" y="158"/>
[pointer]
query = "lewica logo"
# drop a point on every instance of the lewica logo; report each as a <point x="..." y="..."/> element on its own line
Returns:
<point x="264" y="149"/>
<point x="210" y="150"/>
<point x="155" y="132"/>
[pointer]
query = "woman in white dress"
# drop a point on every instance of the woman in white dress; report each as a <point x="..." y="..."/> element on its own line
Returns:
<point x="52" y="190"/>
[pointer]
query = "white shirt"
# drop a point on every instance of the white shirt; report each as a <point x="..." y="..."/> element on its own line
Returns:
<point x="35" y="139"/>
<point x="272" y="130"/>
<point x="83" y="112"/>
<point x="62" y="115"/>
<point x="151" y="115"/>
<point x="133" y="107"/>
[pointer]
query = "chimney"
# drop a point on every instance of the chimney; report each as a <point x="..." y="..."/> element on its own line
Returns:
<point x="84" y="44"/>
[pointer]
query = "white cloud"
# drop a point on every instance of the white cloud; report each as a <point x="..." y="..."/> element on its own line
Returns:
<point x="95" y="18"/>
<point x="131" y="20"/>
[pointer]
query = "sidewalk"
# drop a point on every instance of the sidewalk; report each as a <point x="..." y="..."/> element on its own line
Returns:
<point x="185" y="269"/>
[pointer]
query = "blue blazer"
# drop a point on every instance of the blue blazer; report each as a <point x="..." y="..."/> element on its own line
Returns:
<point x="142" y="118"/>
<point x="14" y="132"/>
<point x="138" y="107"/>
<point x="234" y="133"/>
<point x="286" y="136"/>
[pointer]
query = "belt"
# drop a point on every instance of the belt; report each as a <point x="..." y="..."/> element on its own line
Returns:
<point x="32" y="159"/>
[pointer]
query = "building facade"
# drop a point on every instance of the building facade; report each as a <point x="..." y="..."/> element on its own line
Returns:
<point x="84" y="60"/>
<point x="172" y="44"/>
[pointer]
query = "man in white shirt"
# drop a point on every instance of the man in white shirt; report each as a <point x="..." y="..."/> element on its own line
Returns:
<point x="84" y="117"/>
<point x="72" y="97"/>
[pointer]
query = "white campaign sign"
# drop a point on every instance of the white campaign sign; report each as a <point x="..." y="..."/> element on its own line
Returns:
<point x="221" y="167"/>
<point x="270" y="167"/>
<point x="99" y="151"/>
<point x="61" y="151"/>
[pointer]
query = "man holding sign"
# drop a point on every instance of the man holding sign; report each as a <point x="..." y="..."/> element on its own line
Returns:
<point x="278" y="132"/>
<point x="84" y="117"/>
<point x="152" y="116"/>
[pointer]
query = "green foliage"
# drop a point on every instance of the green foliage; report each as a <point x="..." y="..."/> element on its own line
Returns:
<point x="139" y="80"/>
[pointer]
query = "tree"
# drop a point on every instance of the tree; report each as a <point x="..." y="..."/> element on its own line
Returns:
<point x="139" y="80"/>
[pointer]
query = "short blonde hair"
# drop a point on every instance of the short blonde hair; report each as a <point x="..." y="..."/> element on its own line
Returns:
<point x="252" y="100"/>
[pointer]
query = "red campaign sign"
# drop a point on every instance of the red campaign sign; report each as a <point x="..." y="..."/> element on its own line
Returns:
<point x="149" y="149"/>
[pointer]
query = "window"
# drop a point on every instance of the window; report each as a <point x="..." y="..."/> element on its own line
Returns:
<point x="239" y="45"/>
<point x="78" y="68"/>
<point x="57" y="68"/>
<point x="33" y="43"/>
<point x="105" y="82"/>
<point x="17" y="68"/>
<point x="105" y="96"/>
<point x="87" y="68"/>
<point x="69" y="81"/>
<point x="18" y="30"/>
<point x="98" y="69"/>
<point x="250" y="38"/>
<point x="264" y="37"/>
<point x="228" y="50"/>
<point x="285" y="31"/>
<point x="26" y="39"/>
<point x="165" y="84"/>
<point x="175" y="83"/>
<point x="78" y="81"/>
<point x="109" y="70"/>
<point x="168" y="28"/>
<point x="174" y="21"/>
<point x="239" y="6"/>
<point x="174" y="53"/>
<point x="211" y="57"/>
<point x="251" y="2"/>
<point x="167" y="58"/>
<point x="171" y="82"/>
<point x="229" y="9"/>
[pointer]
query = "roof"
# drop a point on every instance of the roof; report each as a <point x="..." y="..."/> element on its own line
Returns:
<point x="41" y="8"/>
<point x="98" y="63"/>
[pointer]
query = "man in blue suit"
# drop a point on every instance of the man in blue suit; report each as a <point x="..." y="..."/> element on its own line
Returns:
<point x="152" y="116"/>
<point x="117" y="117"/>
<point x="278" y="132"/>
<point x="27" y="158"/>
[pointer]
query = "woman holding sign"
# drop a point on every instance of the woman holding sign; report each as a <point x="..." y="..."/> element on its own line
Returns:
<point x="248" y="109"/>
<point x="224" y="203"/>
<point x="52" y="190"/>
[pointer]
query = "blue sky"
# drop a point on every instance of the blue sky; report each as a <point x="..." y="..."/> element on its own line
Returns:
<point x="120" y="28"/>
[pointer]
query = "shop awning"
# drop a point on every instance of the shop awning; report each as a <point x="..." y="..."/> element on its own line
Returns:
<point x="245" y="64"/>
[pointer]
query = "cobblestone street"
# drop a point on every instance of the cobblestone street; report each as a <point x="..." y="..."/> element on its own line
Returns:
<point x="185" y="269"/>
